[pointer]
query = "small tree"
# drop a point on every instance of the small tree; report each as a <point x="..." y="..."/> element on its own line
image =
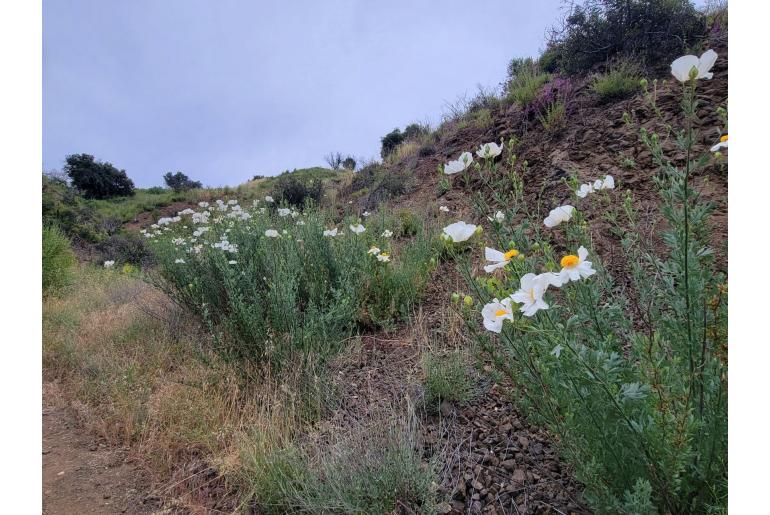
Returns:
<point x="349" y="163"/>
<point x="390" y="141"/>
<point x="180" y="182"/>
<point x="97" y="179"/>
<point x="334" y="160"/>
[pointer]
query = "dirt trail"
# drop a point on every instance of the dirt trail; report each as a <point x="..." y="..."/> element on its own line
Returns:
<point x="84" y="476"/>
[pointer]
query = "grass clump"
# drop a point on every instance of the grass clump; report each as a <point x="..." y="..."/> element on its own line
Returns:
<point x="58" y="260"/>
<point x="525" y="82"/>
<point x="446" y="379"/>
<point x="620" y="81"/>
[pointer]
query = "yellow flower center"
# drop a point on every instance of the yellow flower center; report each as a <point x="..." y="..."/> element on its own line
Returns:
<point x="500" y="312"/>
<point x="511" y="254"/>
<point x="384" y="254"/>
<point x="723" y="138"/>
<point x="569" y="261"/>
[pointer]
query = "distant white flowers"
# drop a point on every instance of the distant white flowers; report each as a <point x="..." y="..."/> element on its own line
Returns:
<point x="498" y="259"/>
<point x="607" y="183"/>
<point x="499" y="217"/>
<point x="443" y="209"/>
<point x="690" y="67"/>
<point x="558" y="215"/>
<point x="109" y="264"/>
<point x="357" y="229"/>
<point x="284" y="211"/>
<point x="179" y="261"/>
<point x="489" y="150"/>
<point x="459" y="231"/>
<point x="495" y="312"/>
<point x="383" y="257"/>
<point x="458" y="165"/>
<point x="271" y="233"/>
<point x="374" y="250"/>
<point x="365" y="214"/>
<point x="330" y="232"/>
<point x="387" y="233"/>
<point x="269" y="199"/>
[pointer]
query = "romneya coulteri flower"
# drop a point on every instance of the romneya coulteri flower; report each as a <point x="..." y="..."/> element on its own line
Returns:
<point x="495" y="312"/>
<point x="574" y="268"/>
<point x="387" y="233"/>
<point x="722" y="144"/>
<point x="488" y="150"/>
<point x="498" y="259"/>
<point x="459" y="231"/>
<point x="690" y="67"/>
<point x="330" y="232"/>
<point x="357" y="229"/>
<point x="271" y="233"/>
<point x="460" y="164"/>
<point x="558" y="215"/>
<point x="531" y="291"/>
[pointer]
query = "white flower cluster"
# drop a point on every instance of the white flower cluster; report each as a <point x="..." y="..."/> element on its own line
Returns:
<point x="607" y="183"/>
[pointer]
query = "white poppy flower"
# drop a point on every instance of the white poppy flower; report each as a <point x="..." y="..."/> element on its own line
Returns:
<point x="300" y="222"/>
<point x="530" y="293"/>
<point x="203" y="204"/>
<point x="495" y="312"/>
<point x="232" y="202"/>
<point x="383" y="257"/>
<point x="584" y="190"/>
<point x="109" y="264"/>
<point x="443" y="209"/>
<point x="573" y="268"/>
<point x="374" y="250"/>
<point x="232" y="262"/>
<point x="284" y="211"/>
<point x="387" y="233"/>
<point x="558" y="215"/>
<point x="179" y="261"/>
<point x="271" y="233"/>
<point x="488" y="150"/>
<point x="268" y="198"/>
<point x="499" y="217"/>
<point x="722" y="144"/>
<point x="608" y="183"/>
<point x="459" y="231"/>
<point x="460" y="164"/>
<point x="366" y="214"/>
<point x="682" y="67"/>
<point x="331" y="232"/>
<point x="498" y="259"/>
<point x="358" y="229"/>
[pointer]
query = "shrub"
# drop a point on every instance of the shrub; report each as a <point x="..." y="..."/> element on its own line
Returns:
<point x="482" y="118"/>
<point x="297" y="192"/>
<point x="446" y="379"/>
<point x="619" y="81"/>
<point x="524" y="86"/>
<point x="598" y="30"/>
<point x="156" y="190"/>
<point x="58" y="259"/>
<point x="127" y="248"/>
<point x="97" y="179"/>
<point x="301" y="293"/>
<point x="349" y="163"/>
<point x="552" y="104"/>
<point x="180" y="182"/>
<point x="633" y="380"/>
<point x="402" y="151"/>
<point x="390" y="141"/>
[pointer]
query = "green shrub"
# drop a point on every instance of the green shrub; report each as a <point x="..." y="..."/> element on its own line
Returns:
<point x="390" y="141"/>
<point x="97" y="179"/>
<point x="180" y="182"/>
<point x="482" y="118"/>
<point x="58" y="259"/>
<point x="598" y="30"/>
<point x="446" y="378"/>
<point x="296" y="192"/>
<point x="127" y="248"/>
<point x="525" y="82"/>
<point x="298" y="293"/>
<point x="554" y="116"/>
<point x="621" y="80"/>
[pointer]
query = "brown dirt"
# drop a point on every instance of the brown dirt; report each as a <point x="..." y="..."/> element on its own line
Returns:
<point x="83" y="475"/>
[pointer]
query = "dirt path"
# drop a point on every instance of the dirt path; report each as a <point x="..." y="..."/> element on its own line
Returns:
<point x="84" y="476"/>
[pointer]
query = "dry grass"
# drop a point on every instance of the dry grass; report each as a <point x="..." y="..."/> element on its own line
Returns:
<point x="403" y="151"/>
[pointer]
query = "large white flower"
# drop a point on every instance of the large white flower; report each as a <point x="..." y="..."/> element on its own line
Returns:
<point x="573" y="268"/>
<point x="722" y="144"/>
<point x="495" y="312"/>
<point x="387" y="233"/>
<point x="284" y="211"/>
<point x="357" y="229"/>
<point x="499" y="217"/>
<point x="584" y="190"/>
<point x="460" y="164"/>
<point x="498" y="259"/>
<point x="443" y="209"/>
<point x="271" y="233"/>
<point x="459" y="231"/>
<point x="268" y="198"/>
<point x="488" y="150"/>
<point x="331" y="232"/>
<point x="558" y="215"/>
<point x="682" y="67"/>
<point x="383" y="257"/>
<point x="530" y="293"/>
<point x="608" y="183"/>
<point x="374" y="250"/>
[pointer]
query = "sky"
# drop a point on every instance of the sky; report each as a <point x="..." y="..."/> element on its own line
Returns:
<point x="226" y="89"/>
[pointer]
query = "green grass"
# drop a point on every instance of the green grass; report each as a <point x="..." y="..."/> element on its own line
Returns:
<point x="58" y="260"/>
<point x="524" y="88"/>
<point x="618" y="82"/>
<point x="126" y="209"/>
<point x="446" y="379"/>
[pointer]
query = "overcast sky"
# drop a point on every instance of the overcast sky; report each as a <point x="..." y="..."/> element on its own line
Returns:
<point x="226" y="89"/>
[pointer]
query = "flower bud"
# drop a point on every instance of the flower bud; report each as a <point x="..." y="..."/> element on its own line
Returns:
<point x="718" y="155"/>
<point x="643" y="83"/>
<point x="455" y="297"/>
<point x="520" y="257"/>
<point x="479" y="229"/>
<point x="468" y="301"/>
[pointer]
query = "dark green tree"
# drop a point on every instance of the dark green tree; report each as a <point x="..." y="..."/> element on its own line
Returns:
<point x="180" y="182"/>
<point x="97" y="179"/>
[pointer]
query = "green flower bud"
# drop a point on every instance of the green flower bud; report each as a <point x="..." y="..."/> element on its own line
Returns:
<point x="468" y="301"/>
<point x="479" y="229"/>
<point x="718" y="155"/>
<point x="520" y="257"/>
<point x="643" y="83"/>
<point x="455" y="297"/>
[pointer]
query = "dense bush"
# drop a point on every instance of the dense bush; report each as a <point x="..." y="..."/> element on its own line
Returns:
<point x="598" y="30"/>
<point x="126" y="248"/>
<point x="297" y="192"/>
<point x="278" y="286"/>
<point x="58" y="259"/>
<point x="180" y="182"/>
<point x="619" y="81"/>
<point x="64" y="208"/>
<point x="349" y="163"/>
<point x="97" y="179"/>
<point x="390" y="141"/>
